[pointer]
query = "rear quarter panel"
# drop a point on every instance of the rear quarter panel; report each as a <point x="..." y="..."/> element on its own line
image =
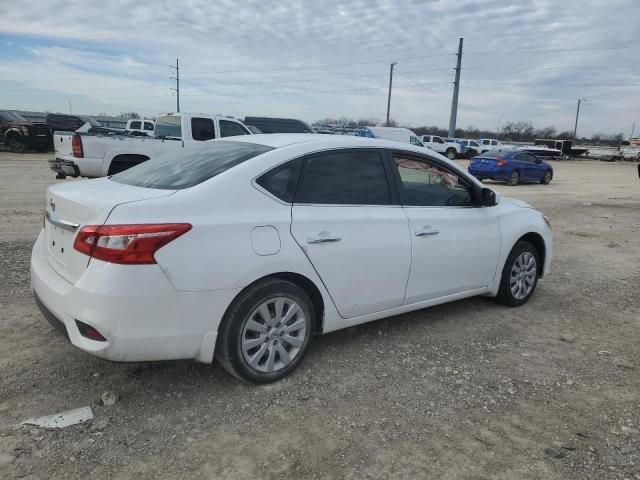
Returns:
<point x="218" y="254"/>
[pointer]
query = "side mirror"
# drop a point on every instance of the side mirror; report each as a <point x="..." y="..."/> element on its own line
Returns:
<point x="489" y="197"/>
<point x="538" y="160"/>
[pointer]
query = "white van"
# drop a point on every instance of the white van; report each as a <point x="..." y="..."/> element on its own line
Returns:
<point x="402" y="135"/>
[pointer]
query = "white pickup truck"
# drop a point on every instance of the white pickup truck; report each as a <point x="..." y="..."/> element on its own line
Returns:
<point x="81" y="154"/>
<point x="491" y="144"/>
<point x="451" y="150"/>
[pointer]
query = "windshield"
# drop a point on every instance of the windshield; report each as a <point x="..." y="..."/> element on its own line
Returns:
<point x="168" y="126"/>
<point x="12" y="117"/>
<point x="191" y="166"/>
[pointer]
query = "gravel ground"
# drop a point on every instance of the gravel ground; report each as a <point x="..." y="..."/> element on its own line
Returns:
<point x="465" y="390"/>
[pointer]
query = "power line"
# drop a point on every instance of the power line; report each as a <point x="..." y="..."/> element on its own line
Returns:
<point x="327" y="65"/>
<point x="551" y="50"/>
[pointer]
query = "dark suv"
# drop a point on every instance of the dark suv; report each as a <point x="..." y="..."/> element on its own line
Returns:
<point x="21" y="134"/>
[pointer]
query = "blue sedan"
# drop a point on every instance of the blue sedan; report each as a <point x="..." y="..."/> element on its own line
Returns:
<point x="511" y="166"/>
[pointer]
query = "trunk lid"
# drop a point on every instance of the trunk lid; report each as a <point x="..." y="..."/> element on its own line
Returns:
<point x="484" y="163"/>
<point x="71" y="206"/>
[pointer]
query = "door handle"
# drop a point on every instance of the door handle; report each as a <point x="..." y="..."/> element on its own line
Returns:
<point x="323" y="237"/>
<point x="426" y="231"/>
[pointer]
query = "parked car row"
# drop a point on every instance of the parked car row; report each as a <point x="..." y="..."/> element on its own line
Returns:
<point x="20" y="134"/>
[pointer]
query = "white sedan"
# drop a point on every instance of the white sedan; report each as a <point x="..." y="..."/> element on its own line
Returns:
<point x="242" y="249"/>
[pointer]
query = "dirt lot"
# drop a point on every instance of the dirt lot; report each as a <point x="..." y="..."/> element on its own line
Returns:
<point x="465" y="390"/>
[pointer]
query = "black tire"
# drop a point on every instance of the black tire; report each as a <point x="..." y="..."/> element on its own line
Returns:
<point x="16" y="145"/>
<point x="546" y="180"/>
<point x="514" y="178"/>
<point x="471" y="153"/>
<point x="230" y="334"/>
<point x="451" y="153"/>
<point x="505" y="295"/>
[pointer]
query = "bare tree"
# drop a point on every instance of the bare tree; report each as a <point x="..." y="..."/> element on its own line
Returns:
<point x="129" y="115"/>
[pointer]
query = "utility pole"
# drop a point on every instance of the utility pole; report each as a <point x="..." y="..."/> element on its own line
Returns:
<point x="575" y="129"/>
<point x="499" y="122"/>
<point x="456" y="90"/>
<point x="177" y="79"/>
<point x="390" y="84"/>
<point x="70" y="110"/>
<point x="633" y="129"/>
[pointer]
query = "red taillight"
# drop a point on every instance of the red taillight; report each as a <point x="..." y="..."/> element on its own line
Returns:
<point x="76" y="146"/>
<point x="501" y="162"/>
<point x="127" y="244"/>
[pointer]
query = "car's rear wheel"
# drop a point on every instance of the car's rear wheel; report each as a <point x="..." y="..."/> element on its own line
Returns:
<point x="451" y="153"/>
<point x="519" y="275"/>
<point x="546" y="179"/>
<point x="266" y="331"/>
<point x="514" y="178"/>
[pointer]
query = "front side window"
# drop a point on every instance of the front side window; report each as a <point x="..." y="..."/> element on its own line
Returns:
<point x="486" y="142"/>
<point x="344" y="178"/>
<point x="230" y="129"/>
<point x="282" y="181"/>
<point x="134" y="125"/>
<point x="148" y="126"/>
<point x="427" y="185"/>
<point x="202" y="129"/>
<point x="494" y="142"/>
<point x="438" y="140"/>
<point x="474" y="144"/>
<point x="189" y="167"/>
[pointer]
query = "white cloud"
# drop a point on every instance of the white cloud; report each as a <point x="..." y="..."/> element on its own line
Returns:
<point x="114" y="56"/>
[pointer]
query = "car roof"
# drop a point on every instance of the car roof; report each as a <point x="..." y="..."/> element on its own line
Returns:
<point x="503" y="153"/>
<point x="278" y="140"/>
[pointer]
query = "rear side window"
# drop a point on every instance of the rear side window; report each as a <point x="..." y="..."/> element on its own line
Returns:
<point x="493" y="142"/>
<point x="230" y="129"/>
<point x="202" y="129"/>
<point x="283" y="180"/>
<point x="344" y="178"/>
<point x="168" y="126"/>
<point x="486" y="142"/>
<point x="189" y="166"/>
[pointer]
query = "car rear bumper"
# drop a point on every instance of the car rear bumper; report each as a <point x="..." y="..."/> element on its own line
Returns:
<point x="489" y="174"/>
<point x="134" y="307"/>
<point x="64" y="167"/>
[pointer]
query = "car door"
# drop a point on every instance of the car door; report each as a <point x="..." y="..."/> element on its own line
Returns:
<point x="527" y="166"/>
<point x="455" y="243"/>
<point x="347" y="220"/>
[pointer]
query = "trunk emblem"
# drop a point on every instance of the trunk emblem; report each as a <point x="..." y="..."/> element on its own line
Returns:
<point x="52" y="204"/>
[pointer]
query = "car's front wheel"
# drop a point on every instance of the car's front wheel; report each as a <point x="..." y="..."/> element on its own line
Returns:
<point x="514" y="178"/>
<point x="546" y="179"/>
<point x="519" y="275"/>
<point x="16" y="145"/>
<point x="266" y="331"/>
<point x="451" y="153"/>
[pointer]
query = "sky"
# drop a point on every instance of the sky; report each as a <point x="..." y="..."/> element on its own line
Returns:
<point x="525" y="60"/>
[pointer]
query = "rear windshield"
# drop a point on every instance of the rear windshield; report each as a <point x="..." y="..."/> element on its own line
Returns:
<point x="189" y="167"/>
<point x="491" y="155"/>
<point x="168" y="126"/>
